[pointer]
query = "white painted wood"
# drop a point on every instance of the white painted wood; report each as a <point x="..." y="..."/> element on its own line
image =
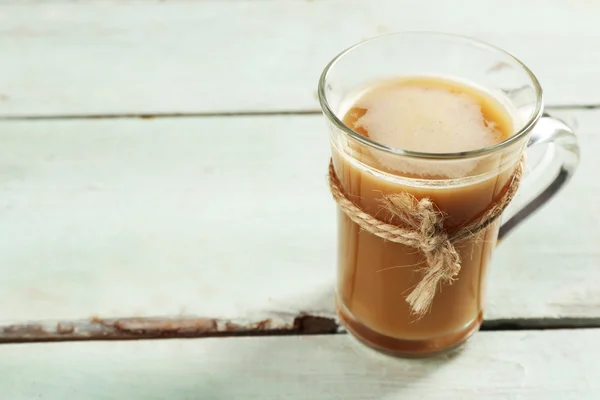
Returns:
<point x="534" y="365"/>
<point x="162" y="217"/>
<point x="231" y="218"/>
<point x="65" y="57"/>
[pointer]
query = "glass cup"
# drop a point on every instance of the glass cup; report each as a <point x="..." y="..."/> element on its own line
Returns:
<point x="376" y="275"/>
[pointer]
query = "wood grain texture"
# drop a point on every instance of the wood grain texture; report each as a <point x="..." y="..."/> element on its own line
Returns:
<point x="535" y="365"/>
<point x="148" y="57"/>
<point x="231" y="218"/>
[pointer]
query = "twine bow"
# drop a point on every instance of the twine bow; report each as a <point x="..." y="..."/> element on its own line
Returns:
<point x="422" y="228"/>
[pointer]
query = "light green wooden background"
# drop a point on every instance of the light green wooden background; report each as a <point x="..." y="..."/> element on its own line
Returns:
<point x="130" y="217"/>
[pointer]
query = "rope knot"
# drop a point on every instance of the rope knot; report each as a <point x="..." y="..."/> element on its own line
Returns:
<point x="420" y="225"/>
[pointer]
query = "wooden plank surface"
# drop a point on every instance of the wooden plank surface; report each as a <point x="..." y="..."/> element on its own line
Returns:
<point x="147" y="57"/>
<point x="532" y="365"/>
<point x="231" y="218"/>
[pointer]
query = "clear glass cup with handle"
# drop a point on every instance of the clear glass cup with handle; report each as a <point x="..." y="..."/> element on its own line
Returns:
<point x="375" y="275"/>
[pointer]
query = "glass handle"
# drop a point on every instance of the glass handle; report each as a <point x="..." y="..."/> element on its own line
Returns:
<point x="552" y="157"/>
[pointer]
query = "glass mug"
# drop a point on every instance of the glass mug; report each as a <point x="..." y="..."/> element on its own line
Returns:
<point x="375" y="275"/>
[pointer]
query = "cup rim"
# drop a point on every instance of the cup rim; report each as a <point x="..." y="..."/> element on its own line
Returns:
<point x="328" y="112"/>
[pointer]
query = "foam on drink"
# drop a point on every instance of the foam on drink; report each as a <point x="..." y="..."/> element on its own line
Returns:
<point x="430" y="115"/>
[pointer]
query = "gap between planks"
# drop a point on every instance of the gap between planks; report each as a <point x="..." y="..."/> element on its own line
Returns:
<point x="565" y="107"/>
<point x="191" y="327"/>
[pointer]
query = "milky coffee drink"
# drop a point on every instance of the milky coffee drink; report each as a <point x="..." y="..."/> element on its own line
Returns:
<point x="428" y="115"/>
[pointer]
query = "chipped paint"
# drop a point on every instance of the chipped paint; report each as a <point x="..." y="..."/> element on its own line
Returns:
<point x="97" y="328"/>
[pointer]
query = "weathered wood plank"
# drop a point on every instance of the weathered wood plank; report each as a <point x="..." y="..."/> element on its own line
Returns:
<point x="534" y="365"/>
<point x="147" y="57"/>
<point x="160" y="328"/>
<point x="231" y="218"/>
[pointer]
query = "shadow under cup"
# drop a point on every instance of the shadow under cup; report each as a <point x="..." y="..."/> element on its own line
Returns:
<point x="375" y="275"/>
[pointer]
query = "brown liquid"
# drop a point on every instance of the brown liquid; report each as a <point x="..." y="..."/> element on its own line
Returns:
<point x="375" y="276"/>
